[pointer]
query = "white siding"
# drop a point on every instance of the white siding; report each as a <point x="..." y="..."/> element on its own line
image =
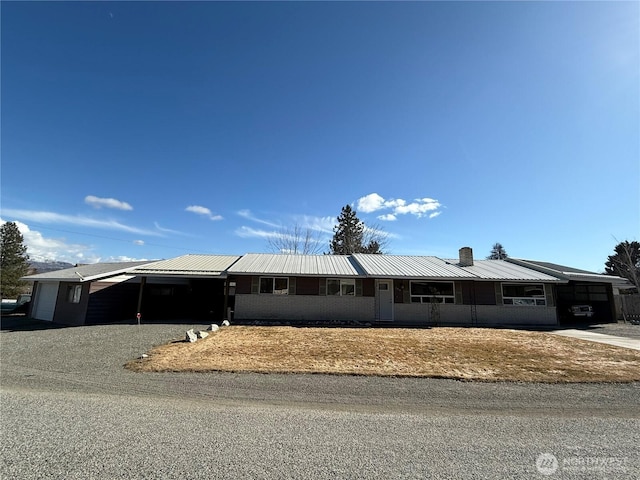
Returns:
<point x="485" y="315"/>
<point x="304" y="307"/>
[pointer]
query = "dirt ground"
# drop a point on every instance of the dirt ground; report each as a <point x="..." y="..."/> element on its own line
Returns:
<point x="458" y="353"/>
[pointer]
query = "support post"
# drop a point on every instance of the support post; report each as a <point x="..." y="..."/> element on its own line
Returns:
<point x="226" y="299"/>
<point x="143" y="282"/>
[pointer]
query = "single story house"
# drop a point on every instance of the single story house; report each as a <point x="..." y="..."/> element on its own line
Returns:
<point x="367" y="288"/>
<point x="412" y="290"/>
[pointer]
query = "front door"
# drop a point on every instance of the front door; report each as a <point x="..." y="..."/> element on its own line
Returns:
<point x="385" y="301"/>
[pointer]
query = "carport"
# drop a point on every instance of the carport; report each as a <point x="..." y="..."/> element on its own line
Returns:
<point x="186" y="287"/>
<point x="581" y="288"/>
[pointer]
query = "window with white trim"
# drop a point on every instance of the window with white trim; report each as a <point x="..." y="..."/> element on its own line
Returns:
<point x="523" y="294"/>
<point x="274" y="285"/>
<point x="431" y="292"/>
<point x="74" y="292"/>
<point x="341" y="286"/>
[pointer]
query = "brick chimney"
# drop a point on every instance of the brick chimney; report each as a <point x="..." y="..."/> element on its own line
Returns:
<point x="466" y="257"/>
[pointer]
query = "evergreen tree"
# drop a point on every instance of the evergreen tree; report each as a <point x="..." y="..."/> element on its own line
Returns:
<point x="625" y="262"/>
<point x="351" y="236"/>
<point x="497" y="252"/>
<point x="14" y="261"/>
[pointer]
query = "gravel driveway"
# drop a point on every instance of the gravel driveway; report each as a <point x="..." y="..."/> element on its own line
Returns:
<point x="69" y="410"/>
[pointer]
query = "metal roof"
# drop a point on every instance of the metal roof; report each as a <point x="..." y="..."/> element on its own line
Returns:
<point x="415" y="267"/>
<point x="569" y="273"/>
<point x="281" y="264"/>
<point x="188" y="265"/>
<point x="85" y="273"/>
<point x="409" y="266"/>
<point x="502" y="270"/>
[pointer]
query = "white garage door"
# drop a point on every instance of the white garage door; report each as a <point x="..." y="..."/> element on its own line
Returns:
<point x="46" y="301"/>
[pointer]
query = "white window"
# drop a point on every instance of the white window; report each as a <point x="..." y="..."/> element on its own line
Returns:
<point x="342" y="286"/>
<point x="74" y="292"/>
<point x="274" y="285"/>
<point x="432" y="292"/>
<point x="531" y="295"/>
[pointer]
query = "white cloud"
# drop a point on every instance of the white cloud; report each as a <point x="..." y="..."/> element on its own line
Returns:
<point x="138" y="242"/>
<point x="98" y="202"/>
<point x="249" y="216"/>
<point x="435" y="214"/>
<point x="248" y="232"/>
<point x="59" y="218"/>
<point x="321" y="224"/>
<point x="419" y="207"/>
<point x="204" y="211"/>
<point x="122" y="258"/>
<point x="283" y="230"/>
<point x="370" y="203"/>
<point x="40" y="248"/>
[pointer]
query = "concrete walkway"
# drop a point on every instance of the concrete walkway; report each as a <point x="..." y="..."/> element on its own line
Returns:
<point x="600" y="337"/>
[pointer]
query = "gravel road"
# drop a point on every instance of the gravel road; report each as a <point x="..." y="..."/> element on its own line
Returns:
<point x="69" y="410"/>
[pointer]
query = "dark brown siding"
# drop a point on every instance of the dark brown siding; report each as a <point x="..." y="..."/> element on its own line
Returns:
<point x="110" y="302"/>
<point x="307" y="286"/>
<point x="478" y="293"/>
<point x="368" y="287"/>
<point x="401" y="291"/>
<point x="68" y="313"/>
<point x="243" y="284"/>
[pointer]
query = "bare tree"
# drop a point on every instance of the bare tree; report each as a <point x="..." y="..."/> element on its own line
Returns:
<point x="375" y="239"/>
<point x="297" y="240"/>
<point x="625" y="262"/>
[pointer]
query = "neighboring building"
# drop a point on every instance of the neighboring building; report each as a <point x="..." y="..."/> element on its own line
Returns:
<point x="374" y="289"/>
<point x="187" y="287"/>
<point x="84" y="294"/>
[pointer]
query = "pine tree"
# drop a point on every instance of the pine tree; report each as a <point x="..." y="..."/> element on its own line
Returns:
<point x="14" y="261"/>
<point x="497" y="252"/>
<point x="350" y="235"/>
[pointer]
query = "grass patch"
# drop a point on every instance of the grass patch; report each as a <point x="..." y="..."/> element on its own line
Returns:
<point x="458" y="353"/>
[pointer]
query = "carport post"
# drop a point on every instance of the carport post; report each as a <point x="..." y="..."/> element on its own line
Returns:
<point x="143" y="282"/>
<point x="226" y="299"/>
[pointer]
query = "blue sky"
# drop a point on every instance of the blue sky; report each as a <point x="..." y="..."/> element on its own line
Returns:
<point x="147" y="130"/>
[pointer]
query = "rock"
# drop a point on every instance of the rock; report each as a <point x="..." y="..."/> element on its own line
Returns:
<point x="191" y="336"/>
<point x="202" y="334"/>
<point x="213" y="327"/>
<point x="225" y="323"/>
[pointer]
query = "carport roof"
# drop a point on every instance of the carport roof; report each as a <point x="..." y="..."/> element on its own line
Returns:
<point x="85" y="273"/>
<point x="570" y="273"/>
<point x="188" y="266"/>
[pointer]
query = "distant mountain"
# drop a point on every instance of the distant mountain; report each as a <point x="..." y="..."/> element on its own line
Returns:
<point x="49" y="266"/>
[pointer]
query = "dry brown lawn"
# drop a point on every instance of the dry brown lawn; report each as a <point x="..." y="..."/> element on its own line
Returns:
<point x="459" y="353"/>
